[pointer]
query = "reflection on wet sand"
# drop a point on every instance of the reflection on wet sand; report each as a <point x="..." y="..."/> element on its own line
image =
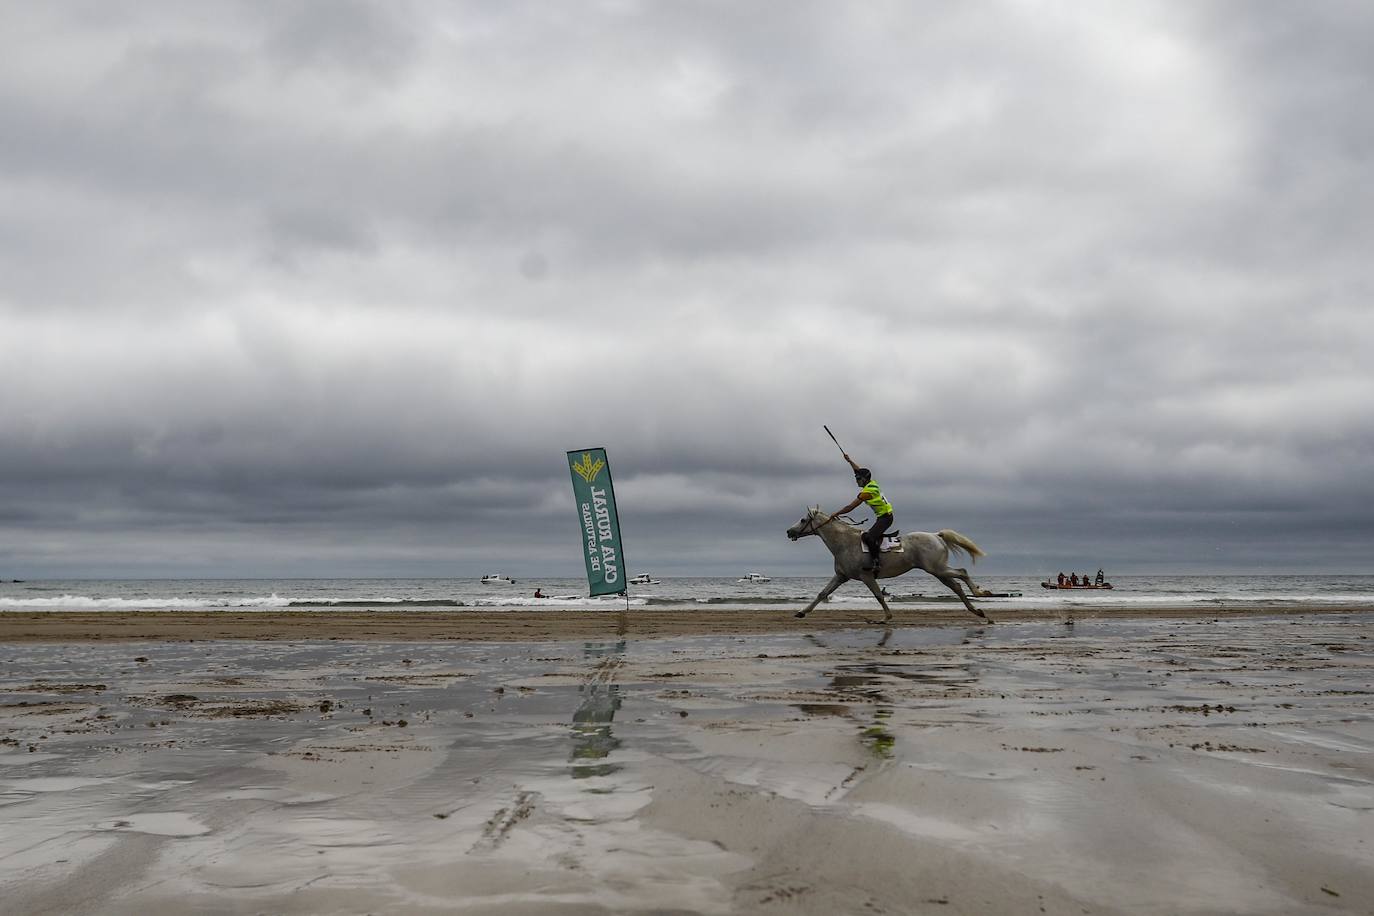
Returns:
<point x="871" y="685"/>
<point x="876" y="735"/>
<point x="939" y="770"/>
<point x="591" y="730"/>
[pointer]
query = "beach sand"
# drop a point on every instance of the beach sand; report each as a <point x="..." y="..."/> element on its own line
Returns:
<point x="356" y="763"/>
<point x="508" y="624"/>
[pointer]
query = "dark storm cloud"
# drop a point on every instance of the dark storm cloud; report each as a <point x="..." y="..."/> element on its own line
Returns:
<point x="320" y="287"/>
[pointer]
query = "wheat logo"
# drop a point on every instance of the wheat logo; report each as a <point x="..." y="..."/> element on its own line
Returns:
<point x="588" y="469"/>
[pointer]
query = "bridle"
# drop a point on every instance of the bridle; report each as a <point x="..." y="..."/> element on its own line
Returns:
<point x="814" y="528"/>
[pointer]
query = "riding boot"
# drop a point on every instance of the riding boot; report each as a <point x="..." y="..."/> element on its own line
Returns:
<point x="873" y="537"/>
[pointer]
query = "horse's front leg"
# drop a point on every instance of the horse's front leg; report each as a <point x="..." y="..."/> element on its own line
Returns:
<point x="830" y="586"/>
<point x="952" y="582"/>
<point x="872" y="582"/>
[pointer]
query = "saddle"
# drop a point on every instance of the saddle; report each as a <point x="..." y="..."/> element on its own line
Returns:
<point x="892" y="540"/>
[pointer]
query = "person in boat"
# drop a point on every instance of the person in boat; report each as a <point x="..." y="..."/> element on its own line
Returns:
<point x="1100" y="578"/>
<point x="1061" y="580"/>
<point x="1073" y="579"/>
<point x="870" y="493"/>
<point x="1085" y="580"/>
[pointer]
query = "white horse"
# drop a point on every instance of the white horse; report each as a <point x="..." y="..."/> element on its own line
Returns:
<point x="920" y="550"/>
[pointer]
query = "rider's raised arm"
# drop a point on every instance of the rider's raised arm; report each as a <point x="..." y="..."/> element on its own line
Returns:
<point x="850" y="460"/>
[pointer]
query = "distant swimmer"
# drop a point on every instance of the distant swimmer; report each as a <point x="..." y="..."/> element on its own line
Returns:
<point x="538" y="593"/>
<point x="882" y="510"/>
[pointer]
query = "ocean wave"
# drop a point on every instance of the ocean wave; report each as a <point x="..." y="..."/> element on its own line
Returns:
<point x="341" y="599"/>
<point x="374" y="602"/>
<point x="87" y="603"/>
<point x="1052" y="599"/>
<point x="557" y="601"/>
<point x="804" y="599"/>
<point x="1117" y="599"/>
<point x="733" y="599"/>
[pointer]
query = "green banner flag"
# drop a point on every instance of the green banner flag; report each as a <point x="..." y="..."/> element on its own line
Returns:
<point x="591" y="477"/>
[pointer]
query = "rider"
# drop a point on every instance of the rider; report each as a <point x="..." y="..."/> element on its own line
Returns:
<point x="869" y="493"/>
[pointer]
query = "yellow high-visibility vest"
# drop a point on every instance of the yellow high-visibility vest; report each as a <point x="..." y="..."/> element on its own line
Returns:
<point x="874" y="497"/>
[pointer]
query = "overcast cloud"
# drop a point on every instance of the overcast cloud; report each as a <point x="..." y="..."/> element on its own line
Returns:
<point x="328" y="288"/>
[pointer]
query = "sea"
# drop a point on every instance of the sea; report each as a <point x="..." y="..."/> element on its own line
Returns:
<point x="1300" y="592"/>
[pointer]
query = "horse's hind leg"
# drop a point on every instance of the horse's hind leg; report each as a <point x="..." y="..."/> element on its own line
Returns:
<point x="872" y="582"/>
<point x="951" y="580"/>
<point x="978" y="591"/>
<point x="830" y="586"/>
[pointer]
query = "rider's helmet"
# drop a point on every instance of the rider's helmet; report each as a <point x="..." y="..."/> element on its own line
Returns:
<point x="862" y="476"/>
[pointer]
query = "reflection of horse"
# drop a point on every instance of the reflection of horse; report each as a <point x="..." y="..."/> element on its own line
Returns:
<point x="920" y="550"/>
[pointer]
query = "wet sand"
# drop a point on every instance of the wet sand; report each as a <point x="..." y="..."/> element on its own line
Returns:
<point x="507" y="624"/>
<point x="1173" y="765"/>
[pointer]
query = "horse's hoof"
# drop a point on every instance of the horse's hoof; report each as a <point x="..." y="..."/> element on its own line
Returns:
<point x="799" y="614"/>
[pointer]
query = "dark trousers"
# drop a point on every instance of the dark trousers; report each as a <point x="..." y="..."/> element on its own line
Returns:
<point x="873" y="537"/>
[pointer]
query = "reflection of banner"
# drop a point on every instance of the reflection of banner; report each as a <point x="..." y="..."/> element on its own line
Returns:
<point x="593" y="740"/>
<point x="591" y="477"/>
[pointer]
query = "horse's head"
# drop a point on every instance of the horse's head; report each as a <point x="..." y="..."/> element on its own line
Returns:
<point x="809" y="524"/>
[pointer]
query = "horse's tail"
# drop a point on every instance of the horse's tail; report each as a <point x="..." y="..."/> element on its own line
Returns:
<point x="956" y="541"/>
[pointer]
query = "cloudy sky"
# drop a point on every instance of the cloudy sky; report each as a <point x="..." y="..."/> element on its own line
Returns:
<point x="328" y="288"/>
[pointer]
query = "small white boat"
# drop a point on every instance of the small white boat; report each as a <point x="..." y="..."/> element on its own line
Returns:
<point x="756" y="577"/>
<point x="497" y="580"/>
<point x="644" y="579"/>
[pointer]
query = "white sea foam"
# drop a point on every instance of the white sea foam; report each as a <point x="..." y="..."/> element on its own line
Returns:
<point x="556" y="601"/>
<point x="1116" y="598"/>
<point x="914" y="592"/>
<point x="87" y="603"/>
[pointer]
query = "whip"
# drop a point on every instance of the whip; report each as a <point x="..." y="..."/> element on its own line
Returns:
<point x="833" y="439"/>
